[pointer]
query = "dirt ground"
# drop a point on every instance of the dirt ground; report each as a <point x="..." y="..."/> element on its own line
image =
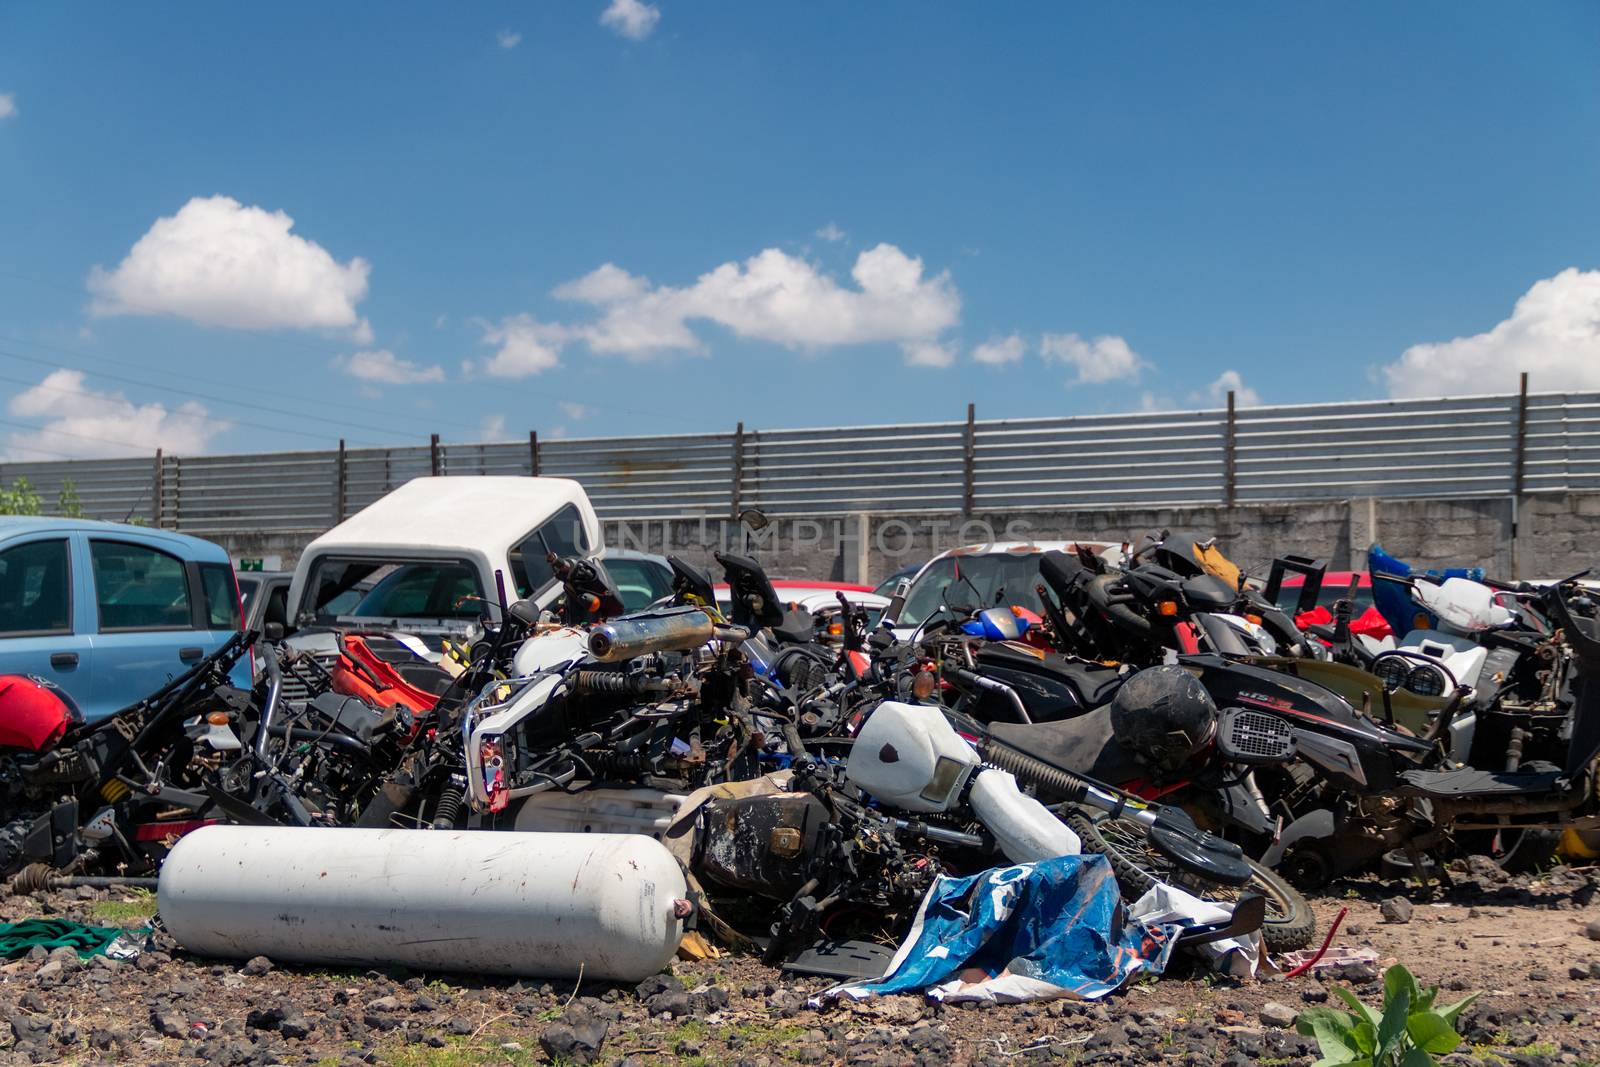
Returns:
<point x="1522" y="941"/>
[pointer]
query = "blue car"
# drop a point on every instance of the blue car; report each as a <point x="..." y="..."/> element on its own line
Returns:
<point x="110" y="612"/>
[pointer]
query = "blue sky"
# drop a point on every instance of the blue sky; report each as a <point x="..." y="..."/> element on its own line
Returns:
<point x="525" y="216"/>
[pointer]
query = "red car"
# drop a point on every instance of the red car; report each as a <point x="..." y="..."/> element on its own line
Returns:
<point x="1364" y="619"/>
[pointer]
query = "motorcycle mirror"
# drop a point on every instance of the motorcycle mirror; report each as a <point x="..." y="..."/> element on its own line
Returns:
<point x="755" y="518"/>
<point x="524" y="611"/>
<point x="1203" y="854"/>
<point x="272" y="632"/>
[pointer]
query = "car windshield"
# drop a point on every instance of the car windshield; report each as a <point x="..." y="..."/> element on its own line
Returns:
<point x="384" y="589"/>
<point x="973" y="582"/>
<point x="639" y="581"/>
<point x="891" y="583"/>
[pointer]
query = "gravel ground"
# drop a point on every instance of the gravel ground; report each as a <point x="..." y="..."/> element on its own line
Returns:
<point x="1525" y="942"/>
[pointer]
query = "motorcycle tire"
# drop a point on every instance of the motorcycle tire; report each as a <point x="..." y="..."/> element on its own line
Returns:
<point x="1290" y="923"/>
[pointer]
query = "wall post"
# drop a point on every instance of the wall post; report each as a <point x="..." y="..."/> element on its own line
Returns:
<point x="533" y="452"/>
<point x="738" y="470"/>
<point x="158" y="505"/>
<point x="969" y="462"/>
<point x="436" y="455"/>
<point x="342" y="481"/>
<point x="1229" y="460"/>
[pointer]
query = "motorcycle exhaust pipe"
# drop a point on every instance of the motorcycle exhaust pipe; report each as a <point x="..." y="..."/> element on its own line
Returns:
<point x="639" y="635"/>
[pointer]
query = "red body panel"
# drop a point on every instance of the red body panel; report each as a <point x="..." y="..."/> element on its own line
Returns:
<point x="33" y="716"/>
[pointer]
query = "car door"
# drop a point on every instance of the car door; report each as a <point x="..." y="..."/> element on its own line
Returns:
<point x="41" y="633"/>
<point x="147" y="607"/>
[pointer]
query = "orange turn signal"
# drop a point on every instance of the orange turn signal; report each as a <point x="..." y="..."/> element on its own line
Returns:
<point x="217" y="718"/>
<point x="1167" y="607"/>
<point x="1256" y="619"/>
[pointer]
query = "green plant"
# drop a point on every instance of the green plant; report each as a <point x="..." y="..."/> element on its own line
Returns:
<point x="67" y="503"/>
<point x="138" y="905"/>
<point x="19" y="499"/>
<point x="1408" y="1032"/>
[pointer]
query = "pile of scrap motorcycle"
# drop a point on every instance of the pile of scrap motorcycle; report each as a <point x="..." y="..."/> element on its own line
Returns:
<point x="814" y="779"/>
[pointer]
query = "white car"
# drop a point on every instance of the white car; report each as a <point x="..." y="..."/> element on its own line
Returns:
<point x="423" y="560"/>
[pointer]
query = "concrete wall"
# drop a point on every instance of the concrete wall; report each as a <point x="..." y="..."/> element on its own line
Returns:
<point x="1546" y="536"/>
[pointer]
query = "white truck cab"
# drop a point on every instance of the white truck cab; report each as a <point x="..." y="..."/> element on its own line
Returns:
<point x="423" y="560"/>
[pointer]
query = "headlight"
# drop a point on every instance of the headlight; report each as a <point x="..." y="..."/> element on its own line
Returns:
<point x="1427" y="681"/>
<point x="1392" y="671"/>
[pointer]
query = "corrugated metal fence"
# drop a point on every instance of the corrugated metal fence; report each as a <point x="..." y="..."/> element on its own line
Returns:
<point x="1481" y="446"/>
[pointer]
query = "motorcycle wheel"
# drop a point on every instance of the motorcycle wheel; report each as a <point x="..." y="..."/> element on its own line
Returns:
<point x="1289" y="924"/>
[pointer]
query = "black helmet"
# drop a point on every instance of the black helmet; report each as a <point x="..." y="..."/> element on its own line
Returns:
<point x="1163" y="716"/>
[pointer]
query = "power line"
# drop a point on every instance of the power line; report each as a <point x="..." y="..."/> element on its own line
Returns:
<point x="182" y="392"/>
<point x="340" y="406"/>
<point x="237" y="422"/>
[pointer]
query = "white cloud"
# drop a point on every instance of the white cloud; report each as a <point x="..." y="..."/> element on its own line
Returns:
<point x="1149" y="401"/>
<point x="508" y="39"/>
<point x="1553" y="334"/>
<point x="384" y="366"/>
<point x="493" y="428"/>
<point x="220" y="263"/>
<point x="1005" y="350"/>
<point x="1101" y="360"/>
<point x="575" y="412"/>
<point x="832" y="233"/>
<point x="927" y="354"/>
<point x="606" y="284"/>
<point x="82" y="422"/>
<point x="527" y="346"/>
<point x="8" y="105"/>
<point x="630" y="18"/>
<point x="772" y="296"/>
<point x="1217" y="391"/>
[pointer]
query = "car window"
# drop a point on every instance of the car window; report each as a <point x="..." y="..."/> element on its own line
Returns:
<point x="222" y="603"/>
<point x="139" y="588"/>
<point x="277" y="605"/>
<point x="639" y="581"/>
<point x="382" y="589"/>
<point x="974" y="581"/>
<point x="247" y="591"/>
<point x="35" y="589"/>
<point x="563" y="534"/>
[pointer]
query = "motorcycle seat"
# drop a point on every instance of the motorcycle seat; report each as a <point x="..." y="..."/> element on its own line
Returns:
<point x="1084" y="744"/>
<point x="1471" y="782"/>
<point x="1095" y="683"/>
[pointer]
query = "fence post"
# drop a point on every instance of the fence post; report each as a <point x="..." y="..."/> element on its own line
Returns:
<point x="1518" y="475"/>
<point x="157" y="505"/>
<point x="969" y="462"/>
<point x="738" y="469"/>
<point x="343" y="480"/>
<point x="435" y="456"/>
<point x="533" y="452"/>
<point x="1522" y="438"/>
<point x="1229" y="470"/>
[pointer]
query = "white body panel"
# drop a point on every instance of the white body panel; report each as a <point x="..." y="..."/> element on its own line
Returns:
<point x="492" y="903"/>
<point x="903" y="751"/>
<point x="1024" y="827"/>
<point x="600" y="811"/>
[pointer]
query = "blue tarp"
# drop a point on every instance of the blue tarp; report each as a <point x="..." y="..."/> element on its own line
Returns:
<point x="1031" y="931"/>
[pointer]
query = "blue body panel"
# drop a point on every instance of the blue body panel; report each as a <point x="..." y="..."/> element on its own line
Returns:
<point x="105" y="668"/>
